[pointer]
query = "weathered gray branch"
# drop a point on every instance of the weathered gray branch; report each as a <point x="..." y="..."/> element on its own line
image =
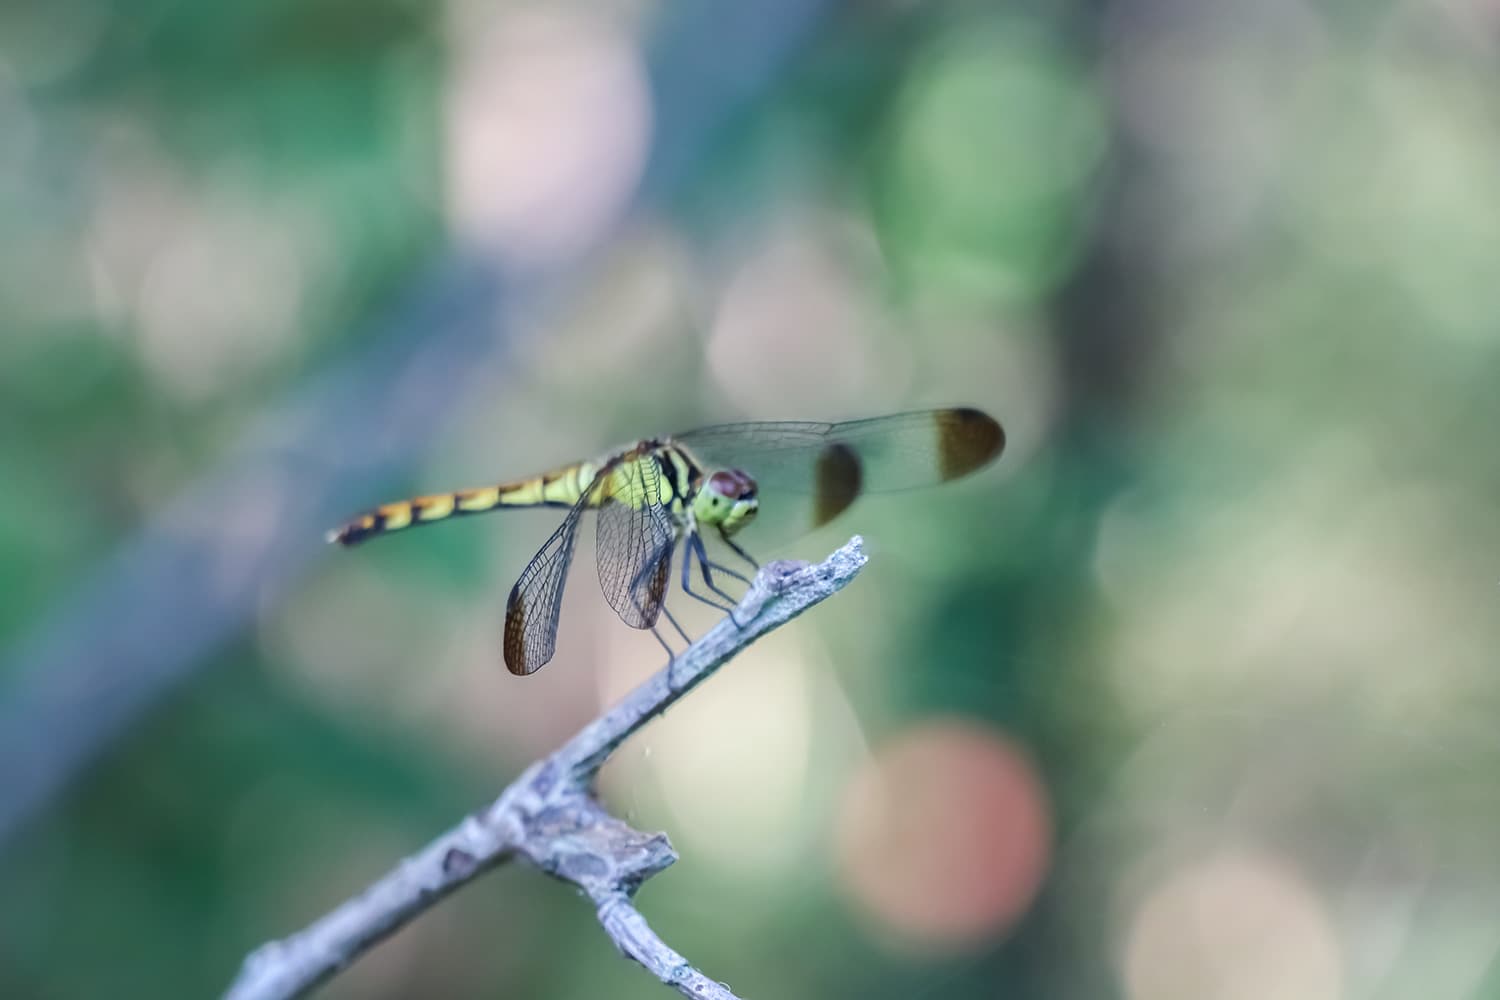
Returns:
<point x="550" y="816"/>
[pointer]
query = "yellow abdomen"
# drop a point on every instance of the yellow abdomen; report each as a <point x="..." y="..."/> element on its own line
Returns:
<point x="558" y="488"/>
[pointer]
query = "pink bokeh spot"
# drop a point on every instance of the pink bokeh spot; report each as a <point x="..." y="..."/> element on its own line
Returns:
<point x="944" y="837"/>
<point x="549" y="124"/>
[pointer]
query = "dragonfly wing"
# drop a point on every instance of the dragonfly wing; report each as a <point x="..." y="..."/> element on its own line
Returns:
<point x="833" y="463"/>
<point x="636" y="536"/>
<point x="535" y="603"/>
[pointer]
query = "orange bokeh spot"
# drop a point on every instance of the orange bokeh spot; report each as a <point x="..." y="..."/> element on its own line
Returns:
<point x="944" y="836"/>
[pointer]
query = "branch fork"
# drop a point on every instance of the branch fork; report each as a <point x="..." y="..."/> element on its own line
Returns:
<point x="550" y="817"/>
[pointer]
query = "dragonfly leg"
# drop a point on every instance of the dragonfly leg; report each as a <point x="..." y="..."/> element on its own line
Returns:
<point x="694" y="548"/>
<point x="739" y="551"/>
<point x="685" y="637"/>
<point x="720" y="567"/>
<point x="671" y="655"/>
<point x="695" y="543"/>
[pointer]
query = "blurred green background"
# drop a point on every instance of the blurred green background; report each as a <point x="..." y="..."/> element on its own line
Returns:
<point x="1192" y="696"/>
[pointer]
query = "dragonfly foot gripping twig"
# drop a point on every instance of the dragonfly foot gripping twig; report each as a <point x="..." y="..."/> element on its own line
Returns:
<point x="550" y="817"/>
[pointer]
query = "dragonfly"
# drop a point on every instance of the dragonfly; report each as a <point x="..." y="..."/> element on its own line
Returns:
<point x="658" y="495"/>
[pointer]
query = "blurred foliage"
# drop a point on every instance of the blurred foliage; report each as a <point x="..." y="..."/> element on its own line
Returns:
<point x="1226" y="271"/>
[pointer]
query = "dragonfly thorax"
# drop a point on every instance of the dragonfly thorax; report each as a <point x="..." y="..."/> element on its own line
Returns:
<point x="727" y="500"/>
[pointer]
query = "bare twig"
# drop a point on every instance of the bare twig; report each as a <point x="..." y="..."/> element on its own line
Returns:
<point x="551" y="817"/>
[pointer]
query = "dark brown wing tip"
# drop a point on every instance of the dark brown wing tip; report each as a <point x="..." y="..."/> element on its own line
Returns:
<point x="967" y="439"/>
<point x="838" y="480"/>
<point x="514" y="644"/>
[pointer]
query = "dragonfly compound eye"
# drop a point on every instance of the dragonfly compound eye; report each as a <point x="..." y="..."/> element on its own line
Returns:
<point x="732" y="484"/>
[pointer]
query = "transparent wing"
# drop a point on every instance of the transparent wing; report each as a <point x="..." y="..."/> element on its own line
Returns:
<point x="833" y="463"/>
<point x="636" y="535"/>
<point x="535" y="602"/>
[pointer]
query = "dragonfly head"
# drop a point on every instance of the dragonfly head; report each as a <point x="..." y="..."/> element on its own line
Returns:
<point x="727" y="499"/>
